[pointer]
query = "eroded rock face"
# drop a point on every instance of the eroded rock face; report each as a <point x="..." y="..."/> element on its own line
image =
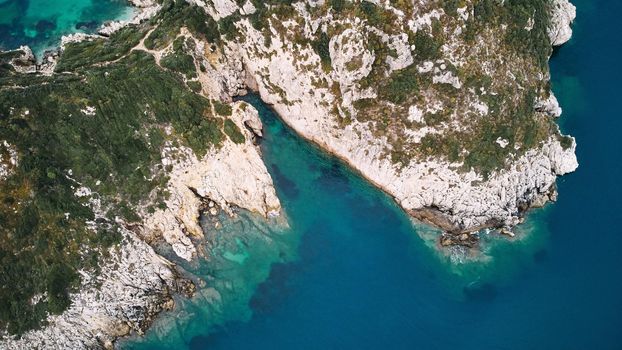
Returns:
<point x="563" y="15"/>
<point x="233" y="175"/>
<point x="134" y="285"/>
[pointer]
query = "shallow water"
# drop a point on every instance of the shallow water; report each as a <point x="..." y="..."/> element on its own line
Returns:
<point x="41" y="23"/>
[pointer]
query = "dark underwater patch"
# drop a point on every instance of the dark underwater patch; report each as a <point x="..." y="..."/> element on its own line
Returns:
<point x="333" y="179"/>
<point x="283" y="183"/>
<point x="45" y="26"/>
<point x="276" y="288"/>
<point x="480" y="292"/>
<point x="540" y="256"/>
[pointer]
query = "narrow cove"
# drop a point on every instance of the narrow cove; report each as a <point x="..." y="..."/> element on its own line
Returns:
<point x="351" y="271"/>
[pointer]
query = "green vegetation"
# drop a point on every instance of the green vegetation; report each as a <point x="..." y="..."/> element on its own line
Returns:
<point x="371" y="11"/>
<point x="176" y="14"/>
<point x="41" y="247"/>
<point x="379" y="66"/>
<point x="228" y="28"/>
<point x="194" y="86"/>
<point x="338" y="5"/>
<point x="90" y="52"/>
<point x="451" y="7"/>
<point x="321" y="47"/>
<point x="222" y="108"/>
<point x="426" y="47"/>
<point x="179" y="61"/>
<point x="233" y="132"/>
<point x="401" y="85"/>
<point x="565" y="141"/>
<point x="533" y="44"/>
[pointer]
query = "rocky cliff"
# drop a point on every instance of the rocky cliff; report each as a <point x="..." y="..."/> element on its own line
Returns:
<point x="449" y="110"/>
<point x="133" y="286"/>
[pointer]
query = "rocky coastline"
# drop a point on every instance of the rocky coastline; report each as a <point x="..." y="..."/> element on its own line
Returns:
<point x="431" y="190"/>
<point x="137" y="282"/>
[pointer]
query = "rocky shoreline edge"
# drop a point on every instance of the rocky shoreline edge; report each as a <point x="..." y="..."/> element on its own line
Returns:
<point x="446" y="199"/>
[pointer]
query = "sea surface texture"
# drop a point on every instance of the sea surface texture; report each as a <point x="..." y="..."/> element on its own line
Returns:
<point x="41" y="23"/>
<point x="353" y="272"/>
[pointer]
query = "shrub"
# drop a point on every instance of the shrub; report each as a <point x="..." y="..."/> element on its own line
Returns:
<point x="321" y="47"/>
<point x="401" y="85"/>
<point x="222" y="108"/>
<point x="426" y="48"/>
<point x="233" y="132"/>
<point x="180" y="62"/>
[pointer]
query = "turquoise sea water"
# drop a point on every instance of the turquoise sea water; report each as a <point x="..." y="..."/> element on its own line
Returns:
<point x="41" y="23"/>
<point x="353" y="272"/>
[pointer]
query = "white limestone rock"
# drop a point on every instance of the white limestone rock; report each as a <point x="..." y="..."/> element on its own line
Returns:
<point x="143" y="3"/>
<point x="76" y="38"/>
<point x="145" y="9"/>
<point x="133" y="286"/>
<point x="26" y="62"/>
<point x="549" y="106"/>
<point x="8" y="159"/>
<point x="248" y="8"/>
<point x="218" y="8"/>
<point x="350" y="59"/>
<point x="233" y="175"/>
<point x="562" y="15"/>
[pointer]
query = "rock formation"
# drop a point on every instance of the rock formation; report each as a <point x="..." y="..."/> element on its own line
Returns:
<point x="233" y="175"/>
<point x="286" y="75"/>
<point x="134" y="285"/>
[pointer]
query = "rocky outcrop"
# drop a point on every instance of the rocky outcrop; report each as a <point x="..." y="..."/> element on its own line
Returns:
<point x="134" y="285"/>
<point x="563" y="14"/>
<point x="232" y="176"/>
<point x="145" y="9"/>
<point x="24" y="61"/>
<point x="286" y="75"/>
